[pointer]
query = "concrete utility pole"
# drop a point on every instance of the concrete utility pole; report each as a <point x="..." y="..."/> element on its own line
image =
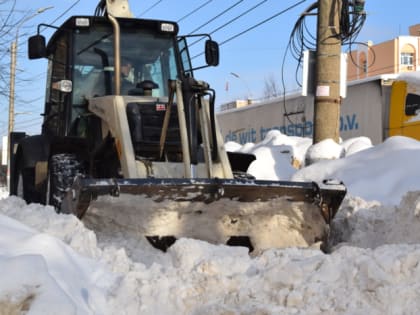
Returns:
<point x="328" y="58"/>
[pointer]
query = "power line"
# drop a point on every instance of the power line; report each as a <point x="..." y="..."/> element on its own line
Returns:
<point x="37" y="123"/>
<point x="239" y="16"/>
<point x="232" y="20"/>
<point x="25" y="102"/>
<point x="262" y="22"/>
<point x="27" y="124"/>
<point x="150" y="8"/>
<point x="65" y="12"/>
<point x="256" y="25"/>
<point x="195" y="10"/>
<point x="217" y="16"/>
<point x="28" y="121"/>
<point x="301" y="38"/>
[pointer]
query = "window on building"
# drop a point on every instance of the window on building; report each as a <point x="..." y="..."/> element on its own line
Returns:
<point x="407" y="58"/>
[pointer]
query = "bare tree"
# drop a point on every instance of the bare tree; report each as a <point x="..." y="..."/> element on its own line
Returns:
<point x="7" y="23"/>
<point x="10" y="18"/>
<point x="271" y="87"/>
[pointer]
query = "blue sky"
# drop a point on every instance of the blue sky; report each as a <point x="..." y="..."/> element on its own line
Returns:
<point x="253" y="56"/>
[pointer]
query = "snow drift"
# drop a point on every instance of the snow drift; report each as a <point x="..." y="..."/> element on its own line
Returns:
<point x="52" y="264"/>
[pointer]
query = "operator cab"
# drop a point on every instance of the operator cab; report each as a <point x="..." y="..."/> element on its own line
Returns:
<point x="147" y="60"/>
<point x="81" y="57"/>
<point x="82" y="64"/>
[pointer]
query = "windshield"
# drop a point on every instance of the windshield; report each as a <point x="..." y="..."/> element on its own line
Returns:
<point x="147" y="62"/>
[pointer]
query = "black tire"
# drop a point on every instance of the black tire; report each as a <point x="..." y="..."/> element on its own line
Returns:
<point x="18" y="189"/>
<point x="24" y="184"/>
<point x="62" y="170"/>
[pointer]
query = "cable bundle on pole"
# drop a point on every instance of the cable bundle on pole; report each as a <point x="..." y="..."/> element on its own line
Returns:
<point x="351" y="20"/>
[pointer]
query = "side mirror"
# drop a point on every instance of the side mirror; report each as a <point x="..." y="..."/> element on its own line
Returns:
<point x="36" y="47"/>
<point x="412" y="104"/>
<point x="212" y="53"/>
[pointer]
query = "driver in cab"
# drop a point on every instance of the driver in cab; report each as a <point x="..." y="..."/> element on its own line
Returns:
<point x="127" y="76"/>
<point x="128" y="81"/>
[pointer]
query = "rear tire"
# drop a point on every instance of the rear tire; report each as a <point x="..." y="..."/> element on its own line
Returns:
<point x="24" y="185"/>
<point x="62" y="170"/>
<point x="18" y="190"/>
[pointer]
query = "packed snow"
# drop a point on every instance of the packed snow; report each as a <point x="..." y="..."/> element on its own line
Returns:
<point x="52" y="264"/>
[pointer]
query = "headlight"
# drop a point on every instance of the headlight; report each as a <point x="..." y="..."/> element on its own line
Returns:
<point x="167" y="27"/>
<point x="82" y="22"/>
<point x="63" y="86"/>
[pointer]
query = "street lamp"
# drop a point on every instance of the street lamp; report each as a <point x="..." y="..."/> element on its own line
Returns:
<point x="13" y="53"/>
<point x="244" y="82"/>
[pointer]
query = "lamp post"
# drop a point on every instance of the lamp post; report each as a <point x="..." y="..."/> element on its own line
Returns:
<point x="244" y="82"/>
<point x="13" y="54"/>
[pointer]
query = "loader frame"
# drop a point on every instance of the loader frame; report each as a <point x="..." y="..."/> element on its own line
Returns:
<point x="151" y="133"/>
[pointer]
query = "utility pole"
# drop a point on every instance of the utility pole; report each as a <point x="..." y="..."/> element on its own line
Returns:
<point x="328" y="59"/>
<point x="13" y="48"/>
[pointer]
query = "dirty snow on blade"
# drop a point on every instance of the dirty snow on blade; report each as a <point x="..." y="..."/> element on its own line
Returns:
<point x="274" y="223"/>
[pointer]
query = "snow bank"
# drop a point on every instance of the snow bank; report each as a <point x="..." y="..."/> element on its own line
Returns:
<point x="52" y="264"/>
<point x="42" y="273"/>
<point x="199" y="278"/>
<point x="384" y="172"/>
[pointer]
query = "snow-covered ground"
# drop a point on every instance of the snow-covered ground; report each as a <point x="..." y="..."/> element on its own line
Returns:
<point x="52" y="264"/>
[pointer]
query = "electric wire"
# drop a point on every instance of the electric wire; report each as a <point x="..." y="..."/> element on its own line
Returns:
<point x="231" y="21"/>
<point x="24" y="125"/>
<point x="351" y="21"/>
<point x="27" y="126"/>
<point x="256" y="25"/>
<point x="216" y="16"/>
<point x="301" y="38"/>
<point x="262" y="22"/>
<point x="297" y="44"/>
<point x="28" y="121"/>
<point x="150" y="8"/>
<point x="65" y="12"/>
<point x="194" y="11"/>
<point x="29" y="102"/>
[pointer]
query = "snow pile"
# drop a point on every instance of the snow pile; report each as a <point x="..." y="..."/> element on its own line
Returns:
<point x="52" y="264"/>
<point x="277" y="155"/>
<point x="370" y="225"/>
<point x="384" y="172"/>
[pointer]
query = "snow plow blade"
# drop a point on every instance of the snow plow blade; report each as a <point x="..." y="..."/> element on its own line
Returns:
<point x="266" y="214"/>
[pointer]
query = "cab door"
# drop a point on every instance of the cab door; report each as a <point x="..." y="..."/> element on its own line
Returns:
<point x="56" y="115"/>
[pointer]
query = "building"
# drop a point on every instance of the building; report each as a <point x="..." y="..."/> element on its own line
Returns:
<point x="392" y="57"/>
<point x="398" y="55"/>
<point x="235" y="104"/>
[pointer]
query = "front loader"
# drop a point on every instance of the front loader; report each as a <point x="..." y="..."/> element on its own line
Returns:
<point x="143" y="147"/>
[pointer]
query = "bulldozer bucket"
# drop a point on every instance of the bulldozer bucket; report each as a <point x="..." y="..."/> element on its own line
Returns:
<point x="268" y="214"/>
